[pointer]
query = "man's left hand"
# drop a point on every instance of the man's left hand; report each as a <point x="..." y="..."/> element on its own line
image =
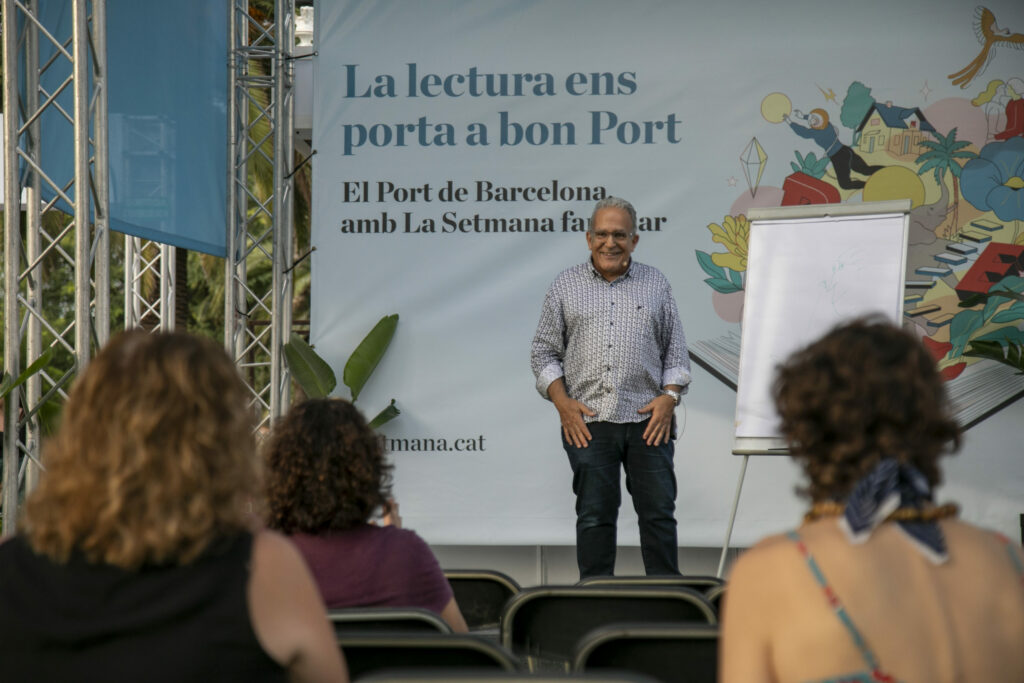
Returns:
<point x="659" y="429"/>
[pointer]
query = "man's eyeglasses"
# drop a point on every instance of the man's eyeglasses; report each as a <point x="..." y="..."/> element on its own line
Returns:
<point x="618" y="236"/>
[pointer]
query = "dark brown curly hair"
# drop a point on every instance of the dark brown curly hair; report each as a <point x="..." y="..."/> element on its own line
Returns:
<point x="325" y="469"/>
<point x="865" y="391"/>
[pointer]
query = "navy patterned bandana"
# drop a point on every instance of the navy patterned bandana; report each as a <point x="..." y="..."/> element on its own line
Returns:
<point x="886" y="488"/>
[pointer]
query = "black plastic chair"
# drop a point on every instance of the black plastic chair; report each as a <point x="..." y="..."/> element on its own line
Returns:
<point x="484" y="676"/>
<point x="375" y="652"/>
<point x="683" y="653"/>
<point x="481" y="595"/>
<point x="714" y="596"/>
<point x="386" y="620"/>
<point x="544" y="624"/>
<point x="695" y="581"/>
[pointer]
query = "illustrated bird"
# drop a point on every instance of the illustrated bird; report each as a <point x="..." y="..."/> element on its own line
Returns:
<point x="989" y="35"/>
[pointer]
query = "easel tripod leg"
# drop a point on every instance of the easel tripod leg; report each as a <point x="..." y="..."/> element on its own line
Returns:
<point x="732" y="516"/>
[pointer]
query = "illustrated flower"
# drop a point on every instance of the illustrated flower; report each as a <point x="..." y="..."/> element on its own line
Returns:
<point x="733" y="234"/>
<point x="995" y="180"/>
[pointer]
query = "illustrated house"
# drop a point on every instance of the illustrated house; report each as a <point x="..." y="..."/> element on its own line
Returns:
<point x="996" y="262"/>
<point x="897" y="130"/>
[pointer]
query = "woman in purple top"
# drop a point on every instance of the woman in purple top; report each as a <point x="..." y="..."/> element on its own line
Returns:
<point x="326" y="478"/>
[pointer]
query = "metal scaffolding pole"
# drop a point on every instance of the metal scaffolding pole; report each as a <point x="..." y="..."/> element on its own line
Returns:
<point x="150" y="307"/>
<point x="49" y="240"/>
<point x="257" y="307"/>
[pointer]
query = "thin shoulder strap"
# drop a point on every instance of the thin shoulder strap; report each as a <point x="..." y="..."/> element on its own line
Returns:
<point x="837" y="605"/>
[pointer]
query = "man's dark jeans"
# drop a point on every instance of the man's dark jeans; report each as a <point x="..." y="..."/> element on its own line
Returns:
<point x="650" y="479"/>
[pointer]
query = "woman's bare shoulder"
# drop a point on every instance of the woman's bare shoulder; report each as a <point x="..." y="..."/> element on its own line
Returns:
<point x="769" y="551"/>
<point x="972" y="542"/>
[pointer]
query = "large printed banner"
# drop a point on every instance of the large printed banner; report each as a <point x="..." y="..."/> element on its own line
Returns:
<point x="462" y="144"/>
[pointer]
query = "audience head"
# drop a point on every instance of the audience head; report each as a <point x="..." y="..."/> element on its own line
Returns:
<point x="154" y="457"/>
<point x="326" y="469"/>
<point x="865" y="391"/>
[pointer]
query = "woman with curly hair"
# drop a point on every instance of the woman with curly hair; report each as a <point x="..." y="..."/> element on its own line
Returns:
<point x="879" y="583"/>
<point x="326" y="479"/>
<point x="137" y="557"/>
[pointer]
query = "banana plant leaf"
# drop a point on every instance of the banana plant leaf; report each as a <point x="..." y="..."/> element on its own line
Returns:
<point x="386" y="415"/>
<point x="6" y="383"/>
<point x="311" y="372"/>
<point x="367" y="355"/>
<point x="1011" y="355"/>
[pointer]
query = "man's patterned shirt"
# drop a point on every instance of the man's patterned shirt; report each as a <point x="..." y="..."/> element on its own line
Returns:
<point x="616" y="343"/>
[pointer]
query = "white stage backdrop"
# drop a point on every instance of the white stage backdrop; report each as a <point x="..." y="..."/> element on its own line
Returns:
<point x="460" y="147"/>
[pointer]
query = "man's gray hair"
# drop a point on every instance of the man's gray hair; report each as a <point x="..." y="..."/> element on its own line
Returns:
<point x="615" y="203"/>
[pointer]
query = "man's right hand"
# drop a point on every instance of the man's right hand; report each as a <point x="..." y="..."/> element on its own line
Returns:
<point x="570" y="412"/>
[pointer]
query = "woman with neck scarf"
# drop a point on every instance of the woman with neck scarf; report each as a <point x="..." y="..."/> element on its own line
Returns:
<point x="879" y="583"/>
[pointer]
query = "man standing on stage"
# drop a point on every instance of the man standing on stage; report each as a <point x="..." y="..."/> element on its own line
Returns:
<point x="610" y="353"/>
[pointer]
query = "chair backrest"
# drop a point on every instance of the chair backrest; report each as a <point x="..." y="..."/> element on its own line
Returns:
<point x="546" y="622"/>
<point x="481" y="595"/>
<point x="714" y="596"/>
<point x="369" y="652"/>
<point x="485" y="676"/>
<point x="696" y="581"/>
<point x="682" y="653"/>
<point x="386" y="619"/>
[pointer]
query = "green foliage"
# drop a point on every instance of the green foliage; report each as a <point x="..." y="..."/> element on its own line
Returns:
<point x="367" y="355"/>
<point x="311" y="372"/>
<point x="8" y="384"/>
<point x="722" y="279"/>
<point x="810" y="164"/>
<point x="50" y="407"/>
<point x="942" y="155"/>
<point x="317" y="380"/>
<point x="856" y="104"/>
<point x="965" y="327"/>
<point x="1008" y="354"/>
<point x="386" y="415"/>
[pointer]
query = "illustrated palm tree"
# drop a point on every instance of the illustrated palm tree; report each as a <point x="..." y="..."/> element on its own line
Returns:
<point x="942" y="155"/>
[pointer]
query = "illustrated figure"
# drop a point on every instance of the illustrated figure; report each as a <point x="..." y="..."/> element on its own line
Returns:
<point x="879" y="583"/>
<point x="844" y="159"/>
<point x="610" y="353"/>
<point x="990" y="36"/>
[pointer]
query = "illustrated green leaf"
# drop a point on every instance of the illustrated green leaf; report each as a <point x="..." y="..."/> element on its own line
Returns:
<point x="720" y="284"/>
<point x="709" y="266"/>
<point x="1003" y="335"/>
<point x="311" y="372"/>
<point x="1014" y="312"/>
<point x="367" y="355"/>
<point x="737" y="278"/>
<point x="386" y="415"/>
<point x="994" y="302"/>
<point x="963" y="325"/>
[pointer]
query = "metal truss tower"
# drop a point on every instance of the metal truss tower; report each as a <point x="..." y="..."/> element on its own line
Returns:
<point x="147" y="259"/>
<point x="36" y="320"/>
<point x="37" y="237"/>
<point x="258" y="295"/>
